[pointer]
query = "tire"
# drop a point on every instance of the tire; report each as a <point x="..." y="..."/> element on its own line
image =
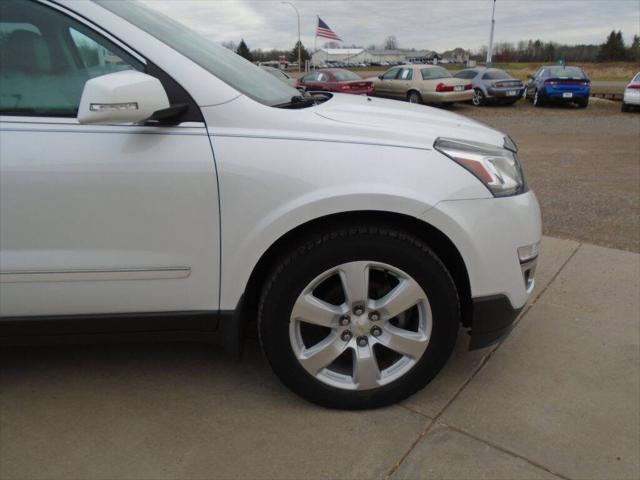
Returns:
<point x="478" y="99"/>
<point x="538" y="101"/>
<point x="583" y="103"/>
<point x="315" y="267"/>
<point x="625" y="108"/>
<point x="414" y="97"/>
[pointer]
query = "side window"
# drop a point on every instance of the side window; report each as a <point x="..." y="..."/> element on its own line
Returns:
<point x="391" y="74"/>
<point x="462" y="74"/>
<point x="322" y="77"/>
<point x="406" y="74"/>
<point x="47" y="57"/>
<point x="310" y="77"/>
<point x="95" y="59"/>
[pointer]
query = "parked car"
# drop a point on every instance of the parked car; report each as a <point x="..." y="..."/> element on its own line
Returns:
<point x="194" y="192"/>
<point x="492" y="85"/>
<point x="422" y="84"/>
<point x="335" y="80"/>
<point x="281" y="75"/>
<point x="557" y="83"/>
<point x="631" y="98"/>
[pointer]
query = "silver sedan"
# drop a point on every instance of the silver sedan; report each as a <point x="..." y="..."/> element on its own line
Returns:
<point x="492" y="85"/>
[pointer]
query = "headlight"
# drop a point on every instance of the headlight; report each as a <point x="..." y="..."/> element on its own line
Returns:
<point x="497" y="168"/>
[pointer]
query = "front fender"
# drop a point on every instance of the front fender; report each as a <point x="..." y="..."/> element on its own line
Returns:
<point x="270" y="186"/>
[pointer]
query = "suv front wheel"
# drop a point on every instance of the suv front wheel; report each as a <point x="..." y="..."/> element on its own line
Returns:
<point x="358" y="317"/>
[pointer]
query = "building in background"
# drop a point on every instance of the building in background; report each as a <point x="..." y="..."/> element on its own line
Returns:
<point x="356" y="56"/>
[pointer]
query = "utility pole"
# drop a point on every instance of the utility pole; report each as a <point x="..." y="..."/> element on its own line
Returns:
<point x="299" y="44"/>
<point x="493" y="23"/>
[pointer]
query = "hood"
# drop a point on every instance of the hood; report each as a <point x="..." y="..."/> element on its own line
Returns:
<point x="403" y="123"/>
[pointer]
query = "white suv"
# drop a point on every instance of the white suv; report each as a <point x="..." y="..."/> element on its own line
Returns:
<point x="153" y="182"/>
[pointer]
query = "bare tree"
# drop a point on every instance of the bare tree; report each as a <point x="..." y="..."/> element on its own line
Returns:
<point x="391" y="43"/>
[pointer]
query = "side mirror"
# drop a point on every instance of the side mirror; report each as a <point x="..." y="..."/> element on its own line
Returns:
<point x="379" y="77"/>
<point x="122" y="97"/>
<point x="530" y="77"/>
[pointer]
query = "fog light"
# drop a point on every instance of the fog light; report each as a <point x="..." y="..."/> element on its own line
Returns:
<point x="528" y="252"/>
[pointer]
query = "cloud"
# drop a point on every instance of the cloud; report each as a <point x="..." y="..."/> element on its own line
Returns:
<point x="430" y="24"/>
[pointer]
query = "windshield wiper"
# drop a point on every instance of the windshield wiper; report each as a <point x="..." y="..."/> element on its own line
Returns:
<point x="299" y="101"/>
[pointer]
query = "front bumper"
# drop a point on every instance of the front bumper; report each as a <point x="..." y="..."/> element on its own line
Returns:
<point x="492" y="319"/>
<point x="487" y="233"/>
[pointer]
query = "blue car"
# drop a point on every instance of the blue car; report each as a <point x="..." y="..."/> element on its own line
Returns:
<point x="559" y="84"/>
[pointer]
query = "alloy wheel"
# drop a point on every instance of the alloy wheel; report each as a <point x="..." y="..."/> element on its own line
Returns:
<point x="360" y="325"/>
<point x="478" y="97"/>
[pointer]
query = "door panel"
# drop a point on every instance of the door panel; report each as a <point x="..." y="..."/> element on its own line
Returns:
<point x="106" y="219"/>
<point x="400" y="86"/>
<point x="95" y="219"/>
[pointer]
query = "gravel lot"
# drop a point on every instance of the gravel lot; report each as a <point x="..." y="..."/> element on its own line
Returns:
<point x="584" y="165"/>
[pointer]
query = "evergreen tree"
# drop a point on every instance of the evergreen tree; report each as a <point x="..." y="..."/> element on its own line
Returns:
<point x="243" y="51"/>
<point x="613" y="49"/>
<point x="634" y="50"/>
<point x="292" y="56"/>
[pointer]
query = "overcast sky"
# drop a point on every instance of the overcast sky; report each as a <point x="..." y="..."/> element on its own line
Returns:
<point x="423" y="24"/>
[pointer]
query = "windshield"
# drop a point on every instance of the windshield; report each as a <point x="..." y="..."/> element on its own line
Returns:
<point x="636" y="78"/>
<point x="434" y="72"/>
<point x="566" y="72"/>
<point x="345" y="75"/>
<point x="220" y="61"/>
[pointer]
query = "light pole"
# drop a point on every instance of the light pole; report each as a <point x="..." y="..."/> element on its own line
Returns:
<point x="493" y="23"/>
<point x="299" y="44"/>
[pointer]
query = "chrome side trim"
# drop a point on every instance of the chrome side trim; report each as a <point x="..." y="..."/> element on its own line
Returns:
<point x="98" y="274"/>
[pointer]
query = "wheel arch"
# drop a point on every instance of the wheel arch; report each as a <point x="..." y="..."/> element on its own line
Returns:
<point x="443" y="247"/>
<point x="412" y="90"/>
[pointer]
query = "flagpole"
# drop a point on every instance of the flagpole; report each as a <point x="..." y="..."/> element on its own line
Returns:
<point x="493" y="24"/>
<point x="315" y="38"/>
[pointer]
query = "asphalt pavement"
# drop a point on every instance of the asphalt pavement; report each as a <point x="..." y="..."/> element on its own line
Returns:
<point x="559" y="398"/>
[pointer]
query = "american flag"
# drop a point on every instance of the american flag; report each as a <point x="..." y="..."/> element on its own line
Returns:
<point x="325" y="31"/>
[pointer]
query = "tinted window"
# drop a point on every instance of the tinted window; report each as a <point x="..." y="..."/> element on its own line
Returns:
<point x="345" y="76"/>
<point x="434" y="72"/>
<point x="566" y="72"/>
<point x="322" y="77"/>
<point x="47" y="57"/>
<point x="496" y="75"/>
<point x="391" y="74"/>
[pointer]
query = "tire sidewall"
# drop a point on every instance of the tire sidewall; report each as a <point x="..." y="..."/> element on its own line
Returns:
<point x="310" y="261"/>
<point x="537" y="99"/>
<point x="416" y="95"/>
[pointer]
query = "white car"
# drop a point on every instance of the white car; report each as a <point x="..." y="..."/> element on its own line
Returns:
<point x="155" y="183"/>
<point x="631" y="96"/>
